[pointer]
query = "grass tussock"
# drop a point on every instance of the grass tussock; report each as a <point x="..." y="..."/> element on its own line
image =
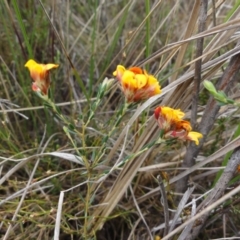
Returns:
<point x="82" y="163"/>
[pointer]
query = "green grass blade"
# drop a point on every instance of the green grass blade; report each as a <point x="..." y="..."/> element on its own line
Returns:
<point x="22" y="27"/>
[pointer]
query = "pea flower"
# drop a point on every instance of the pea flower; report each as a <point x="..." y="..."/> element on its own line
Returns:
<point x="136" y="83"/>
<point x="171" y="122"/>
<point x="40" y="75"/>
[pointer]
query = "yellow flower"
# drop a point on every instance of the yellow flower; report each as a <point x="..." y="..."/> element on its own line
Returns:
<point x="171" y="122"/>
<point x="40" y="75"/>
<point x="136" y="83"/>
<point x="167" y="117"/>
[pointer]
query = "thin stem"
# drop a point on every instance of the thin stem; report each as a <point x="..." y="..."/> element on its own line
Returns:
<point x="147" y="7"/>
<point x="198" y="64"/>
<point x="225" y="82"/>
<point x="165" y="204"/>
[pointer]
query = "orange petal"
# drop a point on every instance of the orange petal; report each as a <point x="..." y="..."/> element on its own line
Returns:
<point x="136" y="70"/>
<point x="183" y="124"/>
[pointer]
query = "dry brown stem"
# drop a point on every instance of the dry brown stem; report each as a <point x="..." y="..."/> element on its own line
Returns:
<point x="224" y="84"/>
<point x="217" y="192"/>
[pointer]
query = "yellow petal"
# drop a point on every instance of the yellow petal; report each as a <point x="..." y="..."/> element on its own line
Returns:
<point x="194" y="136"/>
<point x="39" y="68"/>
<point x="128" y="79"/>
<point x="141" y="80"/>
<point x="153" y="82"/>
<point x="30" y="63"/>
<point x="50" y="66"/>
<point x="36" y="70"/>
<point x="175" y="114"/>
<point x="119" y="71"/>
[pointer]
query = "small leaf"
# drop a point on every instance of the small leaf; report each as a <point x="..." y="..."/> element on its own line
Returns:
<point x="209" y="86"/>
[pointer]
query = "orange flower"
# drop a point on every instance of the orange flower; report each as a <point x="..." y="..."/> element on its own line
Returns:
<point x="136" y="83"/>
<point x="171" y="122"/>
<point x="40" y="75"/>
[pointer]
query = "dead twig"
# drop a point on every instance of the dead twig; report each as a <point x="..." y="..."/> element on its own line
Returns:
<point x="224" y="84"/>
<point x="181" y="206"/>
<point x="198" y="64"/>
<point x="213" y="200"/>
<point x="217" y="192"/>
<point x="189" y="162"/>
<point x="164" y="203"/>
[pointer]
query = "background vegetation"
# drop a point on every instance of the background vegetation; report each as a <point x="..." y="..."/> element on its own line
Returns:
<point x="112" y="190"/>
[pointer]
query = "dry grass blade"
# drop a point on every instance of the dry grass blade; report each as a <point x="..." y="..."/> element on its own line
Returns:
<point x="42" y="107"/>
<point x="24" y="161"/>
<point x="157" y="167"/>
<point x="221" y="152"/>
<point x="36" y="184"/>
<point x="57" y="34"/>
<point x="218" y="190"/>
<point x="213" y="200"/>
<point x="228" y="78"/>
<point x="188" y="228"/>
<point x="180" y="208"/>
<point x="58" y="217"/>
<point x="221" y="37"/>
<point x="208" y="209"/>
<point x="140" y="213"/>
<point x="189" y="31"/>
<point x="25" y="191"/>
<point x="154" y="36"/>
<point x="233" y="24"/>
<point x="165" y="204"/>
<point x="118" y="190"/>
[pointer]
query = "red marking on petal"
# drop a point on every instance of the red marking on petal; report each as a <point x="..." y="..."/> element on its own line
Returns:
<point x="157" y="112"/>
<point x="35" y="87"/>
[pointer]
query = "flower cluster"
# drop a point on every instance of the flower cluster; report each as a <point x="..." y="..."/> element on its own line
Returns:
<point x="40" y="75"/>
<point x="171" y="122"/>
<point x="136" y="83"/>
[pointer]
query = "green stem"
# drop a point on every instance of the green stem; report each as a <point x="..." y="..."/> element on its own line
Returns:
<point x="22" y="27"/>
<point x="103" y="146"/>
